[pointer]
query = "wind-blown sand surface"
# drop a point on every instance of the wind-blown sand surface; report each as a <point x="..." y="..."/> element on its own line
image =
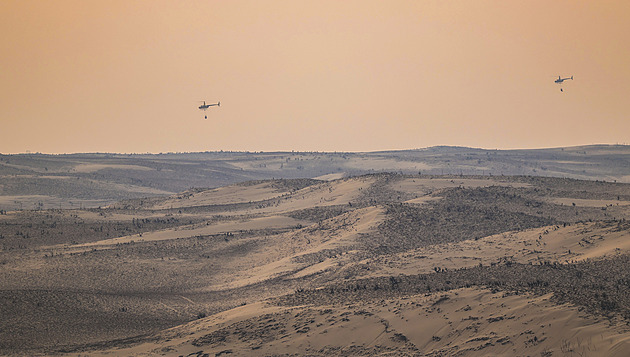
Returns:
<point x="267" y="222"/>
<point x="461" y="322"/>
<point x="223" y="196"/>
<point x="552" y="244"/>
<point x="382" y="264"/>
<point x="114" y="177"/>
<point x="588" y="203"/>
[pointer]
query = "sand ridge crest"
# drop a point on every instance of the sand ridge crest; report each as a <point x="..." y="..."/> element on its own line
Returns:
<point x="379" y="264"/>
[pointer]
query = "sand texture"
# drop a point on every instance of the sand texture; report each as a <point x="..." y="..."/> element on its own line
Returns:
<point x="379" y="264"/>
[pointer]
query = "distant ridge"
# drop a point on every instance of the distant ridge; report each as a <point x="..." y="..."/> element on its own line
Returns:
<point x="94" y="179"/>
<point x="429" y="148"/>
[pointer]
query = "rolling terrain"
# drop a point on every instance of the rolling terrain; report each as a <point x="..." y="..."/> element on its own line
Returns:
<point x="375" y="264"/>
<point x="39" y="181"/>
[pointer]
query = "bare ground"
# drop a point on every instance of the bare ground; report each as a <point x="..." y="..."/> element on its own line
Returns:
<point x="325" y="260"/>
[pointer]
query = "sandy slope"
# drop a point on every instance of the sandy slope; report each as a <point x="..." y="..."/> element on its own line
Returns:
<point x="36" y="201"/>
<point x="462" y="322"/>
<point x="288" y="253"/>
<point x="272" y="251"/>
<point x="339" y="192"/>
<point x="176" y="172"/>
<point x="426" y="185"/>
<point x="264" y="198"/>
<point x="423" y="189"/>
<point x="547" y="244"/>
<point x="588" y="203"/>
<point x="257" y="223"/>
<point x="222" y="196"/>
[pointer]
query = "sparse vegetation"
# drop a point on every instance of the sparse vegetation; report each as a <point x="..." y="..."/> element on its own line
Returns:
<point x="312" y="258"/>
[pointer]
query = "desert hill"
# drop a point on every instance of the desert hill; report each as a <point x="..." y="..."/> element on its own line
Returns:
<point x="39" y="181"/>
<point x="365" y="265"/>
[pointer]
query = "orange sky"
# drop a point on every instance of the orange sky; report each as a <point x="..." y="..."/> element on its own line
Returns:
<point x="125" y="76"/>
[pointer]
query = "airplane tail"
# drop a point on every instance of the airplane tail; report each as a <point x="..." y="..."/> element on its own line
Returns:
<point x="219" y="103"/>
<point x="571" y="77"/>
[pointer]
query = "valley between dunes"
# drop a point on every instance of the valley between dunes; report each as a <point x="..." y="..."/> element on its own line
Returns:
<point x="380" y="264"/>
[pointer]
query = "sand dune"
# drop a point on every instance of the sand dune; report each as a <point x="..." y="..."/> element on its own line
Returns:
<point x="310" y="267"/>
<point x="268" y="222"/>
<point x="290" y="253"/>
<point x="91" y="167"/>
<point x="223" y="196"/>
<point x="339" y="192"/>
<point x="462" y="322"/>
<point x="546" y="244"/>
<point x="177" y="172"/>
<point x="588" y="203"/>
<point x="426" y="185"/>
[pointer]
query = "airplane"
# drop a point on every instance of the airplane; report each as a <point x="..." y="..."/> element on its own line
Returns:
<point x="560" y="80"/>
<point x="206" y="106"/>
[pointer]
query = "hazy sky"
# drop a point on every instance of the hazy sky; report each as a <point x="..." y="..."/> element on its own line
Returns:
<point x="126" y="76"/>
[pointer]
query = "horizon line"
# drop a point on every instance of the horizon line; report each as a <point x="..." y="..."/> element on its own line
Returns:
<point x="27" y="152"/>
